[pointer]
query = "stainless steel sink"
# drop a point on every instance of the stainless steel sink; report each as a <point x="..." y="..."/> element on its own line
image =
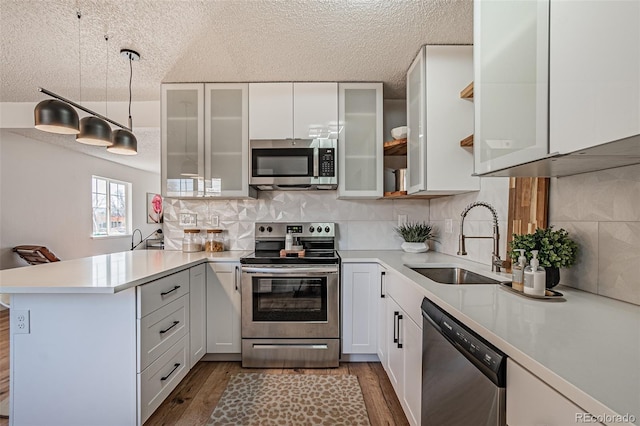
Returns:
<point x="454" y="275"/>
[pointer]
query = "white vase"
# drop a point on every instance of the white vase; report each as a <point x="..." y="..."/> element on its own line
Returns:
<point x="414" y="247"/>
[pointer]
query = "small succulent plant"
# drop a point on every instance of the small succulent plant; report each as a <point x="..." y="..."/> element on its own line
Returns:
<point x="416" y="232"/>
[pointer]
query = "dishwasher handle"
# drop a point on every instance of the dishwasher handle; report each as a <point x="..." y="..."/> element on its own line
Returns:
<point x="486" y="357"/>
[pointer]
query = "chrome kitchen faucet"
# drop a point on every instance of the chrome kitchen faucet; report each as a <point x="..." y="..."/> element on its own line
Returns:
<point x="496" y="262"/>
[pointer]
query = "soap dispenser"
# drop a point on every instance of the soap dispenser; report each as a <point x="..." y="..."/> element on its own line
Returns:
<point x="517" y="272"/>
<point x="534" y="277"/>
<point x="288" y="241"/>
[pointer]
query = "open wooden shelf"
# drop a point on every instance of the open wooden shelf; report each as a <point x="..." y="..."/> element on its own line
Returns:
<point x="467" y="142"/>
<point x="396" y="147"/>
<point x="467" y="92"/>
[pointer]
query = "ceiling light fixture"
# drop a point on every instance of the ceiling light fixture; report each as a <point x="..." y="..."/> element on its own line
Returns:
<point x="59" y="116"/>
<point x="124" y="142"/>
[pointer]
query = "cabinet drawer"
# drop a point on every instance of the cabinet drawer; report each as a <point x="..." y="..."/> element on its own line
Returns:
<point x="408" y="296"/>
<point x="161" y="377"/>
<point x="158" y="293"/>
<point x="161" y="329"/>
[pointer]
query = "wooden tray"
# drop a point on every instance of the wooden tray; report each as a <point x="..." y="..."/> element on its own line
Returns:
<point x="298" y="253"/>
<point x="550" y="294"/>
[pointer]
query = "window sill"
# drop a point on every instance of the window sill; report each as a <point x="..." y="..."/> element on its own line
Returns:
<point x="109" y="237"/>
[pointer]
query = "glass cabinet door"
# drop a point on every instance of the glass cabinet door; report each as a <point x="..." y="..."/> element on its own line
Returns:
<point x="360" y="140"/>
<point x="226" y="139"/>
<point x="415" y="124"/>
<point x="182" y="140"/>
<point x="511" y="54"/>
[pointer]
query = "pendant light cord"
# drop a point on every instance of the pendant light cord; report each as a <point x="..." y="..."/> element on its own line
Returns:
<point x="130" y="80"/>
<point x="79" y="14"/>
<point x="106" y="79"/>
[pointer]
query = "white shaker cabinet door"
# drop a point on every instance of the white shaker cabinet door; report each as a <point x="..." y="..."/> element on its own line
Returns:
<point x="223" y="308"/>
<point x="270" y="110"/>
<point x="197" y="313"/>
<point x="360" y="293"/>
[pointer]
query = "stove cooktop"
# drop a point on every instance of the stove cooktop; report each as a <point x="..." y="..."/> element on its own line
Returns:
<point x="273" y="258"/>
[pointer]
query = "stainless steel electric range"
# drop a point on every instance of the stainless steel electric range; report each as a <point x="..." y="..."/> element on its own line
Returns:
<point x="291" y="298"/>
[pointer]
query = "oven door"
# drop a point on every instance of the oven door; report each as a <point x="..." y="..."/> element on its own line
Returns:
<point x="290" y="302"/>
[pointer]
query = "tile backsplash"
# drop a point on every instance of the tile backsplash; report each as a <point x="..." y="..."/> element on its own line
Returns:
<point x="601" y="211"/>
<point x="362" y="224"/>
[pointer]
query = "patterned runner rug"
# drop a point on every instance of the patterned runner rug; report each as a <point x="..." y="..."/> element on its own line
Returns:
<point x="291" y="399"/>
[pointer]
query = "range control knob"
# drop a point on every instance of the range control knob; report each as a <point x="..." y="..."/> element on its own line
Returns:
<point x="269" y="229"/>
<point x="261" y="229"/>
<point x="327" y="229"/>
<point x="311" y="229"/>
<point x="319" y="229"/>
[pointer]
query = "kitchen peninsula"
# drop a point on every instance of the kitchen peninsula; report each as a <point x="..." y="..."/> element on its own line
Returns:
<point x="83" y="319"/>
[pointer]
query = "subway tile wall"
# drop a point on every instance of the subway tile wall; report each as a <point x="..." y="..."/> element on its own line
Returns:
<point x="362" y="224"/>
<point x="601" y="211"/>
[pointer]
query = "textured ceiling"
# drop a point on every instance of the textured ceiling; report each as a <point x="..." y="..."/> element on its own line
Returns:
<point x="42" y="43"/>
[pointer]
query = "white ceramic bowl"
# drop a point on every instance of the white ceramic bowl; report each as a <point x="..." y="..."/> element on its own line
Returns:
<point x="399" y="132"/>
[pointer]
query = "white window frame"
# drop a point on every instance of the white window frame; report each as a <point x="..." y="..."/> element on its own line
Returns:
<point x="128" y="208"/>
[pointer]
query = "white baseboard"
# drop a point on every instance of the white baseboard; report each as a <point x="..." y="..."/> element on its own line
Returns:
<point x="359" y="358"/>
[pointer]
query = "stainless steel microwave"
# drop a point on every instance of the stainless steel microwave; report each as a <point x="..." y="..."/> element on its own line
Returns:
<point x="294" y="164"/>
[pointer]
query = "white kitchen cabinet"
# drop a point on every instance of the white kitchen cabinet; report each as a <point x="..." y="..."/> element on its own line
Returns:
<point x="437" y="120"/>
<point x="594" y="75"/>
<point x="404" y="362"/>
<point x="223" y="308"/>
<point x="182" y="135"/>
<point x="205" y="142"/>
<point x="292" y="110"/>
<point x="197" y="314"/>
<point x="361" y="289"/>
<point x="226" y="135"/>
<point x="526" y="394"/>
<point x="360" y="140"/>
<point x="546" y="83"/>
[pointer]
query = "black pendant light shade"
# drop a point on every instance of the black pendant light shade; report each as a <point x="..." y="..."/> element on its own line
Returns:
<point x="94" y="131"/>
<point x="124" y="143"/>
<point x="55" y="116"/>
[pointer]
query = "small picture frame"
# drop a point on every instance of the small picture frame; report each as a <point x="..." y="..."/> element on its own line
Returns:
<point x="155" y="208"/>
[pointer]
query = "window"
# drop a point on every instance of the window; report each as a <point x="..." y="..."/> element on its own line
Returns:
<point x="111" y="202"/>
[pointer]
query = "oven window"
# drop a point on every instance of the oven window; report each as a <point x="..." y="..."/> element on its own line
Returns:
<point x="275" y="162"/>
<point x="289" y="299"/>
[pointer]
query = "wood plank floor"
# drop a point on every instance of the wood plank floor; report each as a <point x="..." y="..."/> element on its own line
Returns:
<point x="195" y="398"/>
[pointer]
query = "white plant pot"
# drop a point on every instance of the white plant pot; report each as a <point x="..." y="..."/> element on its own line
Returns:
<point x="414" y="247"/>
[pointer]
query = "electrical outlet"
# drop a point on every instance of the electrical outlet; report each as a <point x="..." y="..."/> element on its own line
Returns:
<point x="188" y="219"/>
<point x="21" y="319"/>
<point x="402" y="219"/>
<point x="214" y="220"/>
<point x="448" y="226"/>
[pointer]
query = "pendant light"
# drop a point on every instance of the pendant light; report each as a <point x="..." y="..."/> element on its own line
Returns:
<point x="124" y="142"/>
<point x="93" y="130"/>
<point x="54" y="116"/>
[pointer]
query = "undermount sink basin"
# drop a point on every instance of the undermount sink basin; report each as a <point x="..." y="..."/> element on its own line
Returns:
<point x="454" y="275"/>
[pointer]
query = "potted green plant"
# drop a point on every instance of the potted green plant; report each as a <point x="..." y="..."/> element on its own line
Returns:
<point x="555" y="250"/>
<point x="415" y="235"/>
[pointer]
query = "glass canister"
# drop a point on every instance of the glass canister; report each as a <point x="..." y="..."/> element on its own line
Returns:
<point x="191" y="241"/>
<point x="214" y="241"/>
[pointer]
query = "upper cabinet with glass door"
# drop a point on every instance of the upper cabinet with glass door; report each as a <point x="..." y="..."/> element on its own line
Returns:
<point x="182" y="140"/>
<point x="437" y="119"/>
<point x="205" y="140"/>
<point x="511" y="67"/>
<point x="360" y="140"/>
<point x="226" y="134"/>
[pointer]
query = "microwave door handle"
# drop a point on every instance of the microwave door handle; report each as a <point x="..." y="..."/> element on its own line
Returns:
<point x="316" y="161"/>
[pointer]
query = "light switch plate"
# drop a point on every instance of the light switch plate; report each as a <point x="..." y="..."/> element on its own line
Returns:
<point x="188" y="219"/>
<point x="214" y="221"/>
<point x="448" y="226"/>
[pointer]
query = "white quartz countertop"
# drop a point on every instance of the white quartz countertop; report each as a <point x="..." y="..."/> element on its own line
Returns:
<point x="587" y="347"/>
<point x="107" y="273"/>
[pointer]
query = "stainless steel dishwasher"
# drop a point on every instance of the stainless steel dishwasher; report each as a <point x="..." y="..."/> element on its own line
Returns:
<point x="463" y="375"/>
